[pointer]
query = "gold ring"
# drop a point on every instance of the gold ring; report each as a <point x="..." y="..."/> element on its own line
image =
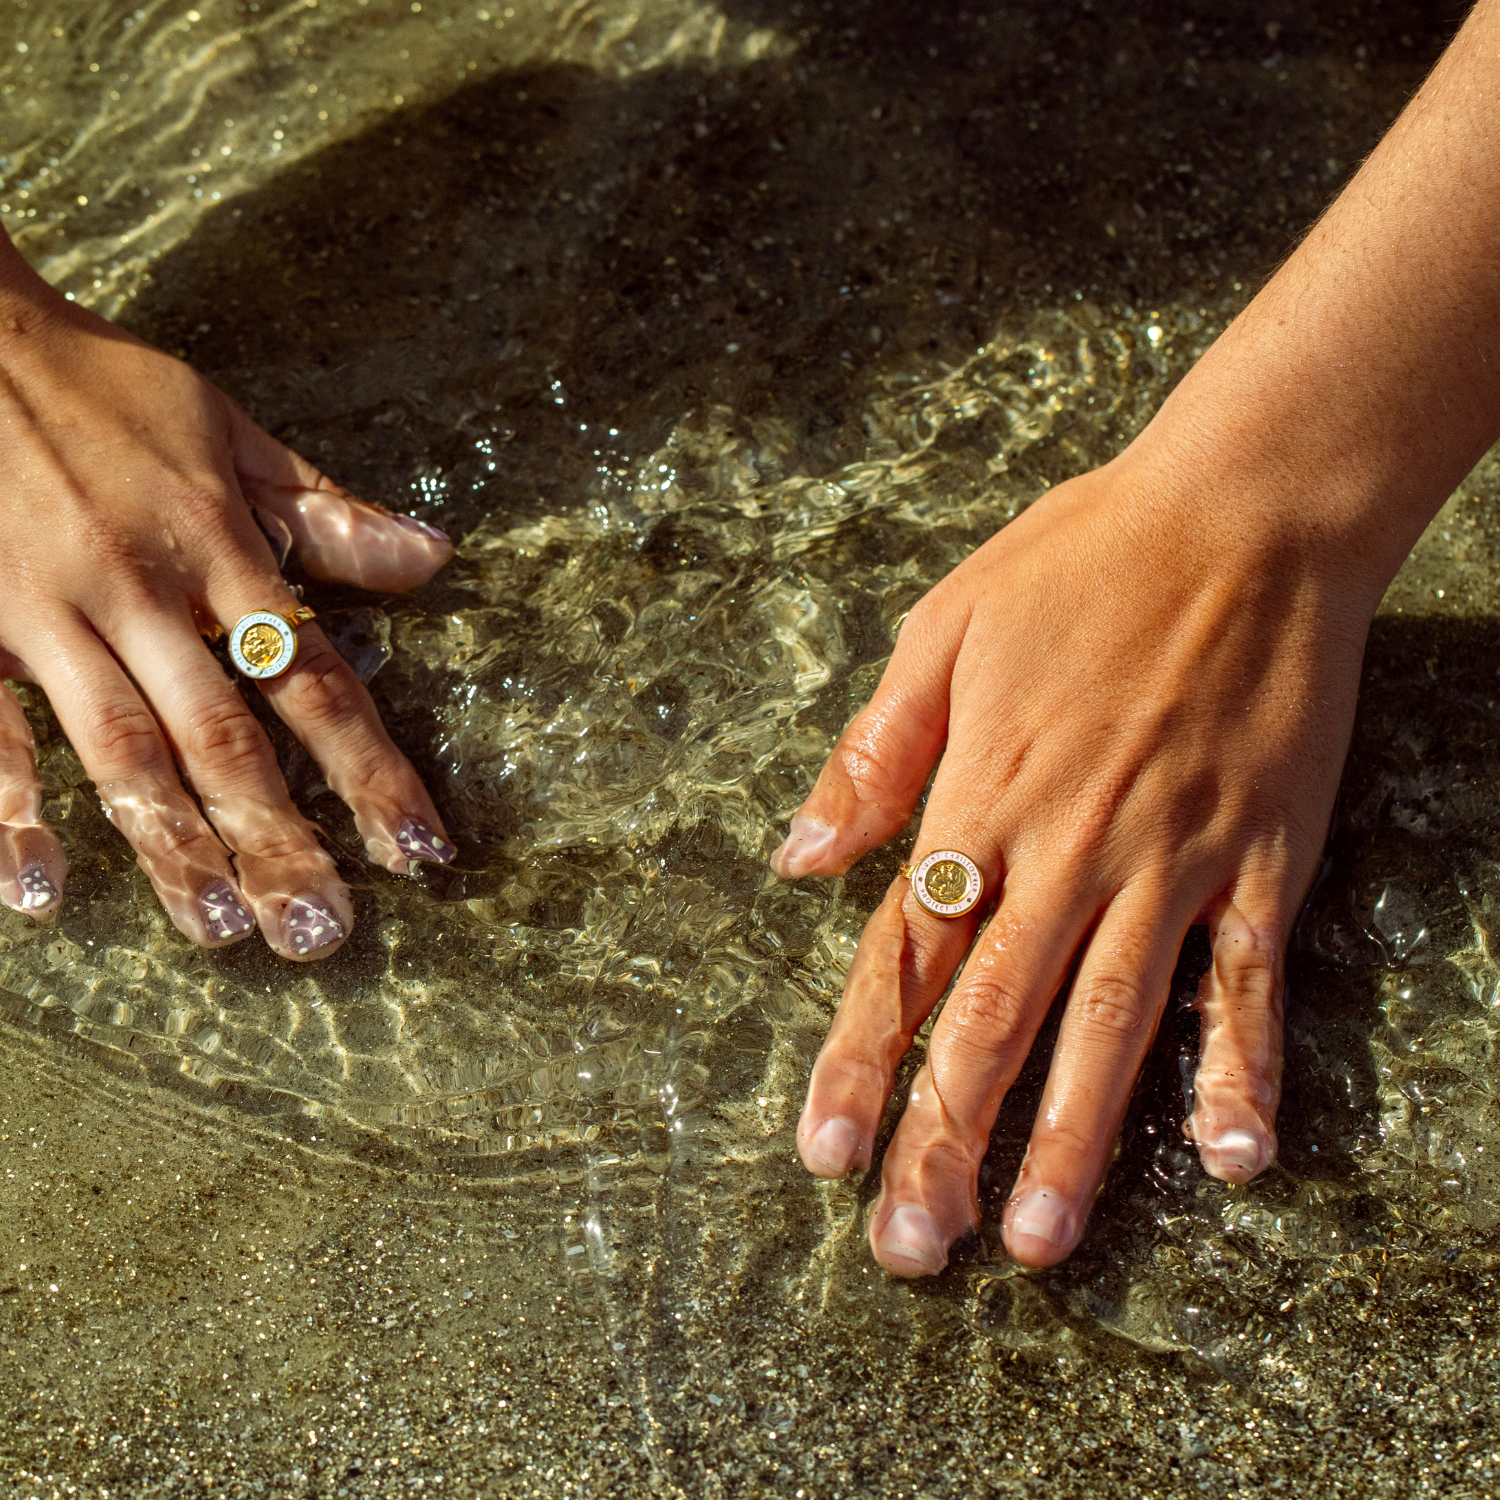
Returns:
<point x="946" y="883"/>
<point x="264" y="644"/>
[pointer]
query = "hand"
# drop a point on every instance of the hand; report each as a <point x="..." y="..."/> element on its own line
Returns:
<point x="1142" y="693"/>
<point x="126" y="491"/>
<point x="1141" y="717"/>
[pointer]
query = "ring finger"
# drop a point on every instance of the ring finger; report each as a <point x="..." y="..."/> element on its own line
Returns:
<point x="329" y="710"/>
<point x="905" y="959"/>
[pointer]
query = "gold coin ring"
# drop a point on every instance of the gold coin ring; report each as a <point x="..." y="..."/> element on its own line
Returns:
<point x="264" y="644"/>
<point x="946" y="883"/>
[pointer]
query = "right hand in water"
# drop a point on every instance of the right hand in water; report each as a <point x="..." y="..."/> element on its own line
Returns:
<point x="127" y="483"/>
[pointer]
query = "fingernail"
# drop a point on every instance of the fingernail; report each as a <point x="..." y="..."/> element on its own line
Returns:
<point x="310" y="925"/>
<point x="37" y="891"/>
<point x="413" y="524"/>
<point x="912" y="1237"/>
<point x="418" y="841"/>
<point x="224" y="914"/>
<point x="1236" y="1156"/>
<point x="1042" y="1216"/>
<point x="830" y="1152"/>
<point x="805" y="845"/>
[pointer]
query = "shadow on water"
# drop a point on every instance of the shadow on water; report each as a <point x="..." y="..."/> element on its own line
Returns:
<point x="869" y="205"/>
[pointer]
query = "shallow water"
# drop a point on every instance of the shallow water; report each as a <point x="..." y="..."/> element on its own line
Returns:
<point x="717" y="337"/>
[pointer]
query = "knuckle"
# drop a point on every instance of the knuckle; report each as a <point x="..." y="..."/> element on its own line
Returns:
<point x="1248" y="981"/>
<point x="278" y="845"/>
<point x="128" y="586"/>
<point x="124" y="737"/>
<point x="953" y="1155"/>
<point x="989" y="1011"/>
<point x="222" y="735"/>
<point x="1114" y="1008"/>
<point x="158" y="841"/>
<point x="1059" y="1133"/>
<point x="859" y="758"/>
<point x="321" y="692"/>
<point x="201" y="506"/>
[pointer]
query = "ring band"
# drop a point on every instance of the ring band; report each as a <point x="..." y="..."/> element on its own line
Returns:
<point x="264" y="644"/>
<point x="946" y="883"/>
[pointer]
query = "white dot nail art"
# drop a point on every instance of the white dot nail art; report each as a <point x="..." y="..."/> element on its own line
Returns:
<point x="420" y="842"/>
<point x="310" y="925"/>
<point x="37" y="891"/>
<point x="224" y="915"/>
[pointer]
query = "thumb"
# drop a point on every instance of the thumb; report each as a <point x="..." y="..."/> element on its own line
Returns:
<point x="870" y="786"/>
<point x="335" y="536"/>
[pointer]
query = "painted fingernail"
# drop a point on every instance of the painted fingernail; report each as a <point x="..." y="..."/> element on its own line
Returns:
<point x="830" y="1151"/>
<point x="910" y="1244"/>
<point x="418" y="841"/>
<point x="806" y="844"/>
<point x="224" y="914"/>
<point x="1042" y="1216"/>
<point x="310" y="925"/>
<point x="433" y="533"/>
<point x="1235" y="1157"/>
<point x="37" y="891"/>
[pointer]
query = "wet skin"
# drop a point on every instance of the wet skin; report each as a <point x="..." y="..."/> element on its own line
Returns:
<point x="129" y="502"/>
<point x="1138" y="698"/>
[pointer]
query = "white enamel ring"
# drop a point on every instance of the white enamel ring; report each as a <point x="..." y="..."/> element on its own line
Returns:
<point x="946" y="883"/>
<point x="264" y="644"/>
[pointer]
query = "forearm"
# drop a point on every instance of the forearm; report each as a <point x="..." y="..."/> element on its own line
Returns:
<point x="1364" y="380"/>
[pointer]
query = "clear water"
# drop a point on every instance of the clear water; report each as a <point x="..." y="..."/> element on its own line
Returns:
<point x="717" y="336"/>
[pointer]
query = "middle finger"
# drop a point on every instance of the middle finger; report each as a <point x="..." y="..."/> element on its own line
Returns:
<point x="291" y="882"/>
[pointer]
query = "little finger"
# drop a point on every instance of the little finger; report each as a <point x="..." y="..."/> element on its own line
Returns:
<point x="1237" y="1087"/>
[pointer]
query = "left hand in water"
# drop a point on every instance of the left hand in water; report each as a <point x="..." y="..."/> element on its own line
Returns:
<point x="1141" y="712"/>
<point x="1141" y="693"/>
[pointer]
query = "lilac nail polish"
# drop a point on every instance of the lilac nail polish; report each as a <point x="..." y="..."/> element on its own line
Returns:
<point x="310" y="925"/>
<point x="413" y="524"/>
<point x="225" y="915"/>
<point x="418" y="841"/>
<point x="37" y="891"/>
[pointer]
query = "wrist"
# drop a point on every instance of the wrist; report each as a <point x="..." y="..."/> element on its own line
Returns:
<point x="1284" y="453"/>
